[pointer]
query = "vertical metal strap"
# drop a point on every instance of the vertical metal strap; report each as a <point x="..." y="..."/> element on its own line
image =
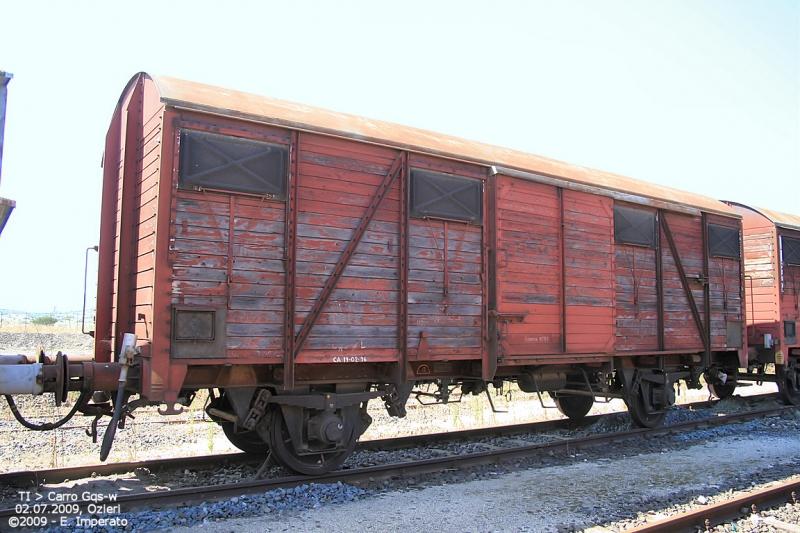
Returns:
<point x="490" y="279"/>
<point x="290" y="264"/>
<point x="659" y="284"/>
<point x="706" y="292"/>
<point x="445" y="271"/>
<point x="562" y="287"/>
<point x="402" y="326"/>
<point x="231" y="210"/>
<point x="319" y="305"/>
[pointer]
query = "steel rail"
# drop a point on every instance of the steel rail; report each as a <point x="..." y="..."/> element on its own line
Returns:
<point x="722" y="512"/>
<point x="211" y="493"/>
<point x="59" y="475"/>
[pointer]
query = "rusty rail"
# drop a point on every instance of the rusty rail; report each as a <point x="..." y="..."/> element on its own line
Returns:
<point x="722" y="512"/>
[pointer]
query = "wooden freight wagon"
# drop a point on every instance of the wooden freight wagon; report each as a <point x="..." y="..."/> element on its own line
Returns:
<point x="302" y="262"/>
<point x="772" y="297"/>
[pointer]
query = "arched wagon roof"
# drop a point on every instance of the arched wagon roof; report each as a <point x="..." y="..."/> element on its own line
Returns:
<point x="782" y="220"/>
<point x="205" y="98"/>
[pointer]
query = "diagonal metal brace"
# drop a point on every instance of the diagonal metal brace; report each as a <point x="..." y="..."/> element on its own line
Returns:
<point x="685" y="282"/>
<point x="319" y="305"/>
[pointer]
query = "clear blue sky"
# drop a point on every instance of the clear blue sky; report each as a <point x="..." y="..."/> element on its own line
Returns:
<point x="700" y="95"/>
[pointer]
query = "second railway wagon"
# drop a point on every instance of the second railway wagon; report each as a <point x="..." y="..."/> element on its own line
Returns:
<point x="301" y="262"/>
<point x="772" y="296"/>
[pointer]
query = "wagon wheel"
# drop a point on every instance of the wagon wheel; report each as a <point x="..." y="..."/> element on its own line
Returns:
<point x="789" y="382"/>
<point x="638" y="412"/>
<point x="247" y="441"/>
<point x="718" y="389"/>
<point x="721" y="391"/>
<point x="280" y="443"/>
<point x="573" y="406"/>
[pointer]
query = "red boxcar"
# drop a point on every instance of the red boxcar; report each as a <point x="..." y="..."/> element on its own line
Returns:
<point x="300" y="262"/>
<point x="772" y="295"/>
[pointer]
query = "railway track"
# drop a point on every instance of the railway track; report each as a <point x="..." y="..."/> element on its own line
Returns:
<point x="193" y="495"/>
<point x="58" y="475"/>
<point x="727" y="511"/>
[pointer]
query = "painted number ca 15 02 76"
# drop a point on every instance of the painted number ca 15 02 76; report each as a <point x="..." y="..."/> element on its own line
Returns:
<point x="350" y="359"/>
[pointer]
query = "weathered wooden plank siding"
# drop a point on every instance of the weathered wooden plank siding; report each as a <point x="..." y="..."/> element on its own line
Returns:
<point x="761" y="260"/>
<point x="255" y="296"/>
<point x="144" y="231"/>
<point x="452" y="320"/>
<point x="338" y="179"/>
<point x="636" y="297"/>
<point x="589" y="283"/>
<point x="528" y="230"/>
<point x="120" y="171"/>
<point x="687" y="231"/>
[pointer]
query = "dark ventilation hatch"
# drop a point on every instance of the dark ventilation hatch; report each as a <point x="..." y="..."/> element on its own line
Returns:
<point x="723" y="241"/>
<point x="635" y="226"/>
<point x="446" y="196"/>
<point x="233" y="164"/>
<point x="791" y="251"/>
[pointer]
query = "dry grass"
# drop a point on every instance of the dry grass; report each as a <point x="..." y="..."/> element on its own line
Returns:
<point x="22" y="327"/>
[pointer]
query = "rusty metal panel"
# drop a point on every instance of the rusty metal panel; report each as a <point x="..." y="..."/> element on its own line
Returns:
<point x="445" y="196"/>
<point x="183" y="94"/>
<point x="225" y="162"/>
<point x="790" y="250"/>
<point x="733" y="330"/>
<point x="198" y="333"/>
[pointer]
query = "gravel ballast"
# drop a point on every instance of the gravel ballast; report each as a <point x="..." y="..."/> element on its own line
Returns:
<point x="563" y="492"/>
<point x="617" y="486"/>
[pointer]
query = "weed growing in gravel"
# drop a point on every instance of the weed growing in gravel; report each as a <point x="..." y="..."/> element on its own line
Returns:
<point x="54" y="450"/>
<point x="211" y="438"/>
<point x="477" y="410"/>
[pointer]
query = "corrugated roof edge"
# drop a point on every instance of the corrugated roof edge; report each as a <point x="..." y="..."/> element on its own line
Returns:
<point x="782" y="220"/>
<point x="216" y="100"/>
